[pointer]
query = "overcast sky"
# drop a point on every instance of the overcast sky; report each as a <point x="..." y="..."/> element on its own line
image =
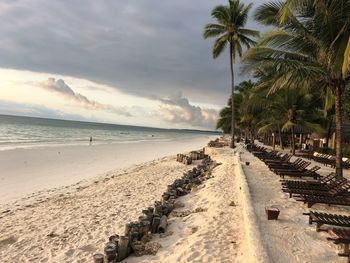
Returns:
<point x="151" y="53"/>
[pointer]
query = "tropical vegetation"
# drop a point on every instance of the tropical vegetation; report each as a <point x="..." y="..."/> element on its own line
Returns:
<point x="302" y="71"/>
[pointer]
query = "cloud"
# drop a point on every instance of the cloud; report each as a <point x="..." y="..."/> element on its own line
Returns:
<point x="61" y="88"/>
<point x="41" y="111"/>
<point x="143" y="47"/>
<point x="178" y="109"/>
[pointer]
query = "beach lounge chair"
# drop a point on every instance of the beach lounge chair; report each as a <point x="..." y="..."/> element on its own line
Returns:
<point x="285" y="165"/>
<point x="305" y="185"/>
<point x="298" y="164"/>
<point x="341" y="236"/>
<point x="335" y="189"/>
<point x="304" y="173"/>
<point x="322" y="180"/>
<point x="310" y="200"/>
<point x="282" y="159"/>
<point x="327" y="219"/>
<point x="296" y="168"/>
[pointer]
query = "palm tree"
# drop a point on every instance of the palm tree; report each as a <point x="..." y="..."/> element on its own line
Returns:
<point x="309" y="47"/>
<point x="224" y="121"/>
<point x="229" y="29"/>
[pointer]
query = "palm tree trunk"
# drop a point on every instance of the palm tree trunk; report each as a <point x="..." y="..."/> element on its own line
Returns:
<point x="338" y="131"/>
<point x="280" y="136"/>
<point x="329" y="130"/>
<point x="293" y="141"/>
<point x="232" y="99"/>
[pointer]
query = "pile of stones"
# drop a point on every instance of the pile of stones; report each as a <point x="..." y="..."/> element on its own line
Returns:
<point x="137" y="235"/>
<point x="194" y="155"/>
<point x="217" y="143"/>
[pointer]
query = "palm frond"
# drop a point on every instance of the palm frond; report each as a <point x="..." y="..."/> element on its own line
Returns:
<point x="219" y="45"/>
<point x="213" y="30"/>
<point x="288" y="125"/>
<point x="267" y="14"/>
<point x="346" y="61"/>
<point x="221" y="14"/>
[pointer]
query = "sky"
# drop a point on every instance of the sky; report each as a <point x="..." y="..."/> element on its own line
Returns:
<point x="135" y="62"/>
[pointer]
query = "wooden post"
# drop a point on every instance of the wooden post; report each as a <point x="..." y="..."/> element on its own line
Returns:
<point x="123" y="248"/>
<point x="163" y="224"/>
<point x="111" y="252"/>
<point x="98" y="258"/>
<point x="127" y="229"/>
<point x="155" y="224"/>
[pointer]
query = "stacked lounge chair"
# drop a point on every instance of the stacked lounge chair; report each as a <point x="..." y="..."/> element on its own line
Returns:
<point x="324" y="190"/>
<point x="281" y="165"/>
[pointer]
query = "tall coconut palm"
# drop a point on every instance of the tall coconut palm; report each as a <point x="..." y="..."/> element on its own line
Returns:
<point x="310" y="46"/>
<point x="229" y="29"/>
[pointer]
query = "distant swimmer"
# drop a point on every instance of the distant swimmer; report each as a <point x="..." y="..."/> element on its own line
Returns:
<point x="90" y="140"/>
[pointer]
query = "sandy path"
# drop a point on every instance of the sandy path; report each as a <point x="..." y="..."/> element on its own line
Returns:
<point x="291" y="238"/>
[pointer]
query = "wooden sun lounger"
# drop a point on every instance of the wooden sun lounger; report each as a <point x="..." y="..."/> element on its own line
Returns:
<point x="299" y="164"/>
<point x="310" y="200"/>
<point x="298" y="170"/>
<point x="282" y="165"/>
<point x="335" y="190"/>
<point x="341" y="236"/>
<point x="305" y="173"/>
<point x="325" y="187"/>
<point x="324" y="180"/>
<point x="327" y="219"/>
<point x="283" y="159"/>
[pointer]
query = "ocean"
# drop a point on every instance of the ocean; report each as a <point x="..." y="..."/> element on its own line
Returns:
<point x="30" y="132"/>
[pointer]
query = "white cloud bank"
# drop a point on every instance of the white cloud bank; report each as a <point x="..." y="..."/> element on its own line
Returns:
<point x="178" y="109"/>
<point x="61" y="88"/>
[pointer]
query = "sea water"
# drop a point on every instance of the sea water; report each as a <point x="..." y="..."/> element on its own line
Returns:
<point x="27" y="132"/>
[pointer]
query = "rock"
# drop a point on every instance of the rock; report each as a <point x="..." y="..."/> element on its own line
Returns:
<point x="199" y="210"/>
<point x="152" y="248"/>
<point x="146" y="238"/>
<point x="178" y="204"/>
<point x="232" y="204"/>
<point x="52" y="234"/>
<point x="138" y="248"/>
<point x="180" y="213"/>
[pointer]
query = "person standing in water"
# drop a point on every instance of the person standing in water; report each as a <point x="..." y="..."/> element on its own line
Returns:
<point x="90" y="140"/>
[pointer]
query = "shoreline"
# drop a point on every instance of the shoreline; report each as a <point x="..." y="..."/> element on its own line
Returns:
<point x="34" y="171"/>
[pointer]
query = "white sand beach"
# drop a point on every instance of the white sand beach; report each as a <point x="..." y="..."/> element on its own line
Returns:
<point x="28" y="171"/>
<point x="222" y="220"/>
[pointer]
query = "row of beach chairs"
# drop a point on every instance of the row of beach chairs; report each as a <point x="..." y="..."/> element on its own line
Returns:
<point x="327" y="159"/>
<point x="326" y="190"/>
<point x="282" y="165"/>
